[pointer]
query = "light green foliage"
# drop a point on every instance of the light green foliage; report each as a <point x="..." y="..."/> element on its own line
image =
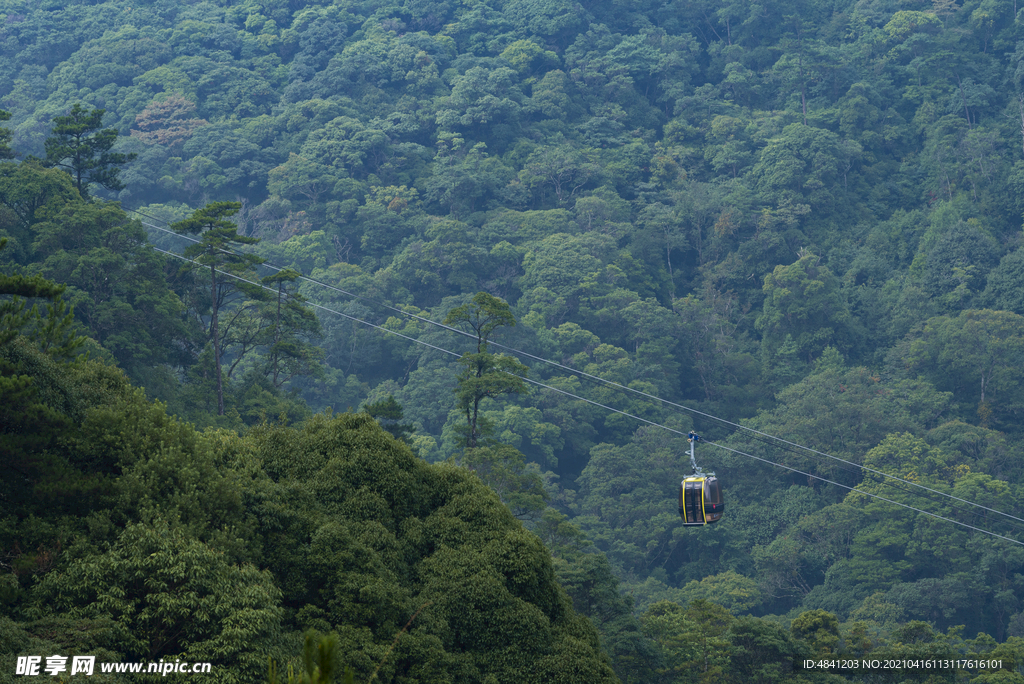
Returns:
<point x="173" y="596"/>
<point x="568" y="266"/>
<point x="763" y="651"/>
<point x="523" y="55"/>
<point x="803" y="163"/>
<point x="905" y="22"/>
<point x="301" y="177"/>
<point x="562" y="170"/>
<point x="443" y="264"/>
<point x="525" y="429"/>
<point x="803" y="308"/>
<point x="527" y="226"/>
<point x="820" y="630"/>
<point x="732" y="591"/>
<point x="692" y="640"/>
<point x="301" y="252"/>
<point x="319" y="664"/>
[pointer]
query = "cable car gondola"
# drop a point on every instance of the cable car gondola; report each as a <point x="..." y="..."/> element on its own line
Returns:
<point x="700" y="495"/>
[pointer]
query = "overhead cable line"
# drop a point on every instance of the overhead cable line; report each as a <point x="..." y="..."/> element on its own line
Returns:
<point x="615" y="385"/>
<point x="626" y="413"/>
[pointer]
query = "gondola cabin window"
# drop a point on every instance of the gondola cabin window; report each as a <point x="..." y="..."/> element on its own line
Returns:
<point x="700" y="500"/>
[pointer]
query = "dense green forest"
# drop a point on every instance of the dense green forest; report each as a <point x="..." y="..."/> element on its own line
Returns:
<point x="798" y="216"/>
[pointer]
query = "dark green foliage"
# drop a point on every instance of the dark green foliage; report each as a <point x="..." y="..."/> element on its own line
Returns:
<point x="484" y="375"/>
<point x="53" y="332"/>
<point x="389" y="534"/>
<point x="219" y="237"/>
<point x="80" y="146"/>
<point x="1005" y="284"/>
<point x="173" y="596"/>
<point x="792" y="214"/>
<point x="319" y="663"/>
<point x="5" y="137"/>
<point x="290" y="327"/>
<point x="388" y="413"/>
<point x="187" y="551"/>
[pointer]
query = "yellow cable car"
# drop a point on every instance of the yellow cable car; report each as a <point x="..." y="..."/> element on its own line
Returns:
<point x="700" y="500"/>
<point x="700" y="495"/>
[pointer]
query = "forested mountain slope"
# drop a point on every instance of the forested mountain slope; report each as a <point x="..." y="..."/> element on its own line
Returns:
<point x="805" y="216"/>
<point x="151" y="540"/>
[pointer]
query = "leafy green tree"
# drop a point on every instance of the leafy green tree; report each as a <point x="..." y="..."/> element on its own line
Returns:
<point x="80" y="146"/>
<point x="25" y="189"/>
<point x="524" y="428"/>
<point x="1004" y="288"/>
<point x="570" y="267"/>
<point x="729" y="589"/>
<point x="803" y="164"/>
<point x="291" y="327"/>
<point x="484" y="375"/>
<point x="562" y="168"/>
<point x="763" y="652"/>
<point x="956" y="266"/>
<point x="845" y="412"/>
<point x="301" y="177"/>
<point x="464" y="177"/>
<point x="52" y="332"/>
<point x="819" y="629"/>
<point x="117" y="284"/>
<point x="626" y="502"/>
<point x="372" y="512"/>
<point x="486" y="102"/>
<point x="666" y="624"/>
<point x="5" y="137"/>
<point x="218" y="236"/>
<point x="389" y="414"/>
<point x="805" y="305"/>
<point x="319" y="663"/>
<point x="975" y="355"/>
<point x="595" y="591"/>
<point x="445" y="263"/>
<point x="504" y="469"/>
<point x="693" y="639"/>
<point x="174" y="596"/>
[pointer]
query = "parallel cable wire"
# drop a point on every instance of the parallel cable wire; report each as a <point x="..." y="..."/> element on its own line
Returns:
<point x="624" y="413"/>
<point x="621" y="387"/>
